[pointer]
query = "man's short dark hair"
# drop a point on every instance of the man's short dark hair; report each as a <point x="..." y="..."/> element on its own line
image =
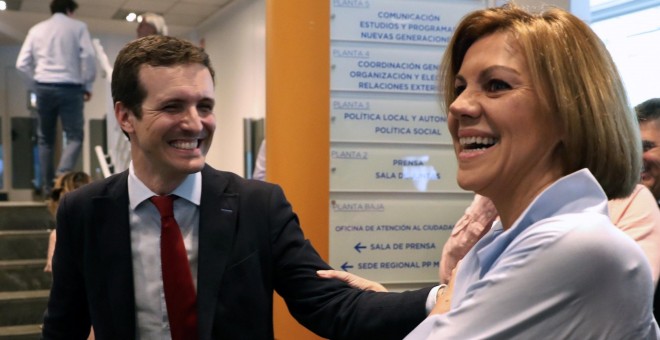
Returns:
<point x="152" y="50"/>
<point x="63" y="6"/>
<point x="648" y="110"/>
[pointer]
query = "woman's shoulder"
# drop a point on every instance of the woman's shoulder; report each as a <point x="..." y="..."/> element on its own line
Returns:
<point x="588" y="241"/>
<point x="586" y="238"/>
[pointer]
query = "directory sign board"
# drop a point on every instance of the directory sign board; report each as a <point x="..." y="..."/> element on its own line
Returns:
<point x="417" y="120"/>
<point x="391" y="239"/>
<point x="398" y="22"/>
<point x="393" y="169"/>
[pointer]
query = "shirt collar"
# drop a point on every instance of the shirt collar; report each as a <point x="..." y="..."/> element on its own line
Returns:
<point x="577" y="192"/>
<point x="190" y="189"/>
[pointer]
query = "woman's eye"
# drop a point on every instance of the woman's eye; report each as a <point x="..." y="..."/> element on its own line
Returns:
<point x="496" y="85"/>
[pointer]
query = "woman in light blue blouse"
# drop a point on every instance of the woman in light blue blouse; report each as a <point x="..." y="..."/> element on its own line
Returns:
<point x="541" y="125"/>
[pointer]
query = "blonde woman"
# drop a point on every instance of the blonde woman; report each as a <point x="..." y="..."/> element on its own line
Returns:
<point x="542" y="127"/>
<point x="64" y="183"/>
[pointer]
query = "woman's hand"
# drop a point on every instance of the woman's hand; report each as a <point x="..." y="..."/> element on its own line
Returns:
<point x="443" y="299"/>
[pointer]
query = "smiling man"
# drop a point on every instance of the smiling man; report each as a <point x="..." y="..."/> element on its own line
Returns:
<point x="648" y="115"/>
<point x="225" y="245"/>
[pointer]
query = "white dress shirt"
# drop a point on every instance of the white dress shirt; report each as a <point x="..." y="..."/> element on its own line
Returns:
<point x="150" y="307"/>
<point x="58" y="50"/>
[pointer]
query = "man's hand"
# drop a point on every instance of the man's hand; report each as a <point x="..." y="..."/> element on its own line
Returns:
<point x="352" y="280"/>
<point x="87" y="96"/>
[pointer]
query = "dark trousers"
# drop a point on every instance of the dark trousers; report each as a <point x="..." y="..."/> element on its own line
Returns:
<point x="63" y="101"/>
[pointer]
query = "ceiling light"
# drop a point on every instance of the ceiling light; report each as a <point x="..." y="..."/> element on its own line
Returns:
<point x="10" y="5"/>
<point x="131" y="17"/>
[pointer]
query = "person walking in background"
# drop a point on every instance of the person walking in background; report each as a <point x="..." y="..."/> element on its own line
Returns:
<point x="151" y="23"/>
<point x="57" y="59"/>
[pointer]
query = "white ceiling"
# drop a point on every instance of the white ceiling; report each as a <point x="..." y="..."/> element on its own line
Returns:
<point x="181" y="16"/>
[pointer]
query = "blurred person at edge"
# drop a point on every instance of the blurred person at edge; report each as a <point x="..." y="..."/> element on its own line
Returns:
<point x="648" y="116"/>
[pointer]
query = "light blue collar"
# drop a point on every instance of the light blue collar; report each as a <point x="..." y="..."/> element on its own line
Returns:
<point x="576" y="192"/>
<point x="190" y="189"/>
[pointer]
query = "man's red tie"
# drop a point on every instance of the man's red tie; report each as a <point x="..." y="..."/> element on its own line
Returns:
<point x="180" y="295"/>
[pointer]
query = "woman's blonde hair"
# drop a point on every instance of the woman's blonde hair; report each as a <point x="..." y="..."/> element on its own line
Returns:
<point x="63" y="184"/>
<point x="576" y="81"/>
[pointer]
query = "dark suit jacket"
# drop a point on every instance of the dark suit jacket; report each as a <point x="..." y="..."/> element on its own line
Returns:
<point x="250" y="243"/>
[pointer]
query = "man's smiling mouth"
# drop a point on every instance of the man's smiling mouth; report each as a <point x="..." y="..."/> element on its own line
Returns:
<point x="186" y="145"/>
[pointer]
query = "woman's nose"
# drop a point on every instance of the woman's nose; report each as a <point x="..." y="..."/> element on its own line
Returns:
<point x="465" y="105"/>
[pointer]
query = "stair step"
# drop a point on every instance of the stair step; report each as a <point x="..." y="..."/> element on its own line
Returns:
<point x="24" y="216"/>
<point x="23" y="307"/>
<point x="21" y="332"/>
<point x="17" y="275"/>
<point x="23" y="244"/>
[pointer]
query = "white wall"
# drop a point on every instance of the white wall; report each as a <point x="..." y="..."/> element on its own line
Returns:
<point x="236" y="43"/>
<point x="95" y="108"/>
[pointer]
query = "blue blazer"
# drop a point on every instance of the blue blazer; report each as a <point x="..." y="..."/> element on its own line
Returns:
<point x="250" y="244"/>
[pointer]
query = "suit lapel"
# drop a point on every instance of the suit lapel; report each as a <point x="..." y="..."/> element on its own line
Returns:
<point x="217" y="226"/>
<point x="112" y="243"/>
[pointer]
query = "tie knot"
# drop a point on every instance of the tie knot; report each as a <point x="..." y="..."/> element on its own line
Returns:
<point x="164" y="204"/>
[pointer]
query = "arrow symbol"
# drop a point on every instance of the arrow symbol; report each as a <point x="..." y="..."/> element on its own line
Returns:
<point x="359" y="246"/>
<point x="345" y="267"/>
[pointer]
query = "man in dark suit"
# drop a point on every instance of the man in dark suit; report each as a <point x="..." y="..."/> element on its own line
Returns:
<point x="242" y="239"/>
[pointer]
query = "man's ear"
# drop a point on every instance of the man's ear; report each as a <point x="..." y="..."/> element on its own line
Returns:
<point x="124" y="117"/>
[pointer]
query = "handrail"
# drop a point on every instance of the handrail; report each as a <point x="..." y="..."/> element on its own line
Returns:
<point x="103" y="161"/>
